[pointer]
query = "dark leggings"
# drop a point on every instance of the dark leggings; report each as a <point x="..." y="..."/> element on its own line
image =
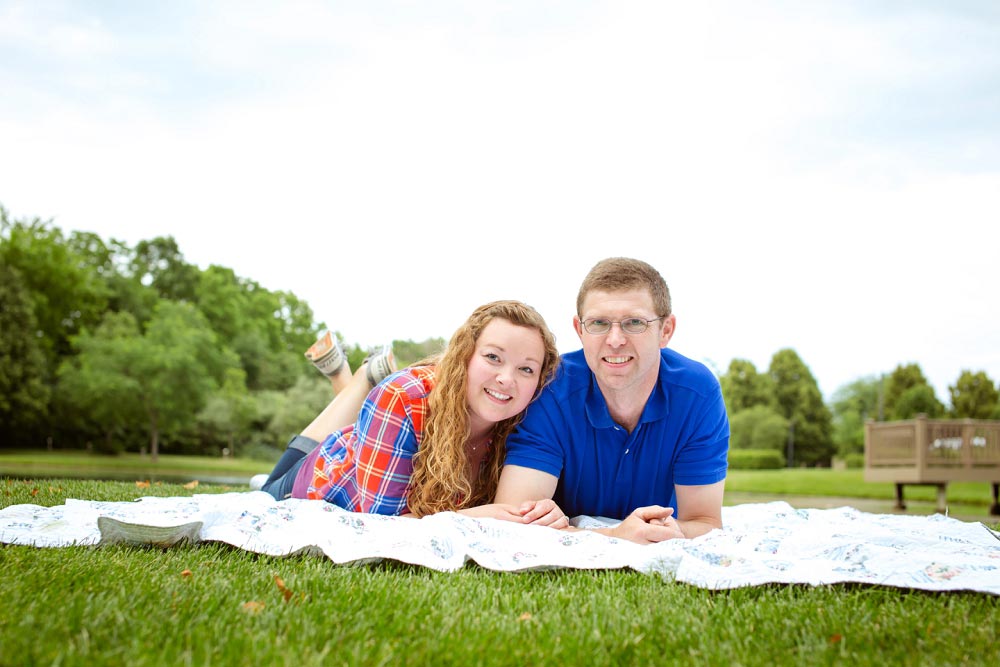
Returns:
<point x="282" y="479"/>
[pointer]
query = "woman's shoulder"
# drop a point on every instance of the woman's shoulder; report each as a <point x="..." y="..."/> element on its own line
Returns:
<point x="414" y="381"/>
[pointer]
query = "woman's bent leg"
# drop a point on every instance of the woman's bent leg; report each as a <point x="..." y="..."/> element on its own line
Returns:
<point x="281" y="487"/>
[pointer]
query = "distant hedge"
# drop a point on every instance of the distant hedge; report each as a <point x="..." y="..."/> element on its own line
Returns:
<point x="756" y="459"/>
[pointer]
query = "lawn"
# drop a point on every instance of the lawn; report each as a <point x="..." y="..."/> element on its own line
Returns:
<point x="212" y="604"/>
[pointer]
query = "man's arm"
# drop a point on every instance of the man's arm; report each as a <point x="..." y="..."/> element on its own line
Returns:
<point x="519" y="484"/>
<point x="699" y="508"/>
<point x="531" y="492"/>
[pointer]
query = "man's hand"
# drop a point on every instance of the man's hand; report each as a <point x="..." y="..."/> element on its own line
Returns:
<point x="647" y="525"/>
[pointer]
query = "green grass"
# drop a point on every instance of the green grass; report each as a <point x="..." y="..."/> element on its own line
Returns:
<point x="846" y="483"/>
<point x="212" y="604"/>
<point x="169" y="467"/>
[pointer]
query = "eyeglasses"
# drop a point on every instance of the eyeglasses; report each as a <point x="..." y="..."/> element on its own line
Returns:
<point x="599" y="326"/>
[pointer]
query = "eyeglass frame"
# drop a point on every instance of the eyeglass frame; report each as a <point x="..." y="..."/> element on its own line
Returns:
<point x="611" y="325"/>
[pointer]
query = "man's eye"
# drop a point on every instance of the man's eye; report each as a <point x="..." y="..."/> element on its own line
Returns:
<point x="599" y="322"/>
<point x="634" y="322"/>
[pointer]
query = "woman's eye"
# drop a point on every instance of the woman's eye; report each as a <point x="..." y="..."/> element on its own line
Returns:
<point x="527" y="370"/>
<point x="492" y="356"/>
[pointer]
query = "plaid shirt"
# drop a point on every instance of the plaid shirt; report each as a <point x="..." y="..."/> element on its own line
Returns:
<point x="367" y="467"/>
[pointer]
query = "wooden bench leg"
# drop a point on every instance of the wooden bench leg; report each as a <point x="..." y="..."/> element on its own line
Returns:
<point x="900" y="505"/>
<point x="995" y="507"/>
<point x="942" y="498"/>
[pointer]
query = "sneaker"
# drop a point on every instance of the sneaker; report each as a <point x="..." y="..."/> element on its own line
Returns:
<point x="326" y="355"/>
<point x="380" y="365"/>
<point x="257" y="481"/>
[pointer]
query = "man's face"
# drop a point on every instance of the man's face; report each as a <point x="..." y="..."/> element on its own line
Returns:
<point x="623" y="360"/>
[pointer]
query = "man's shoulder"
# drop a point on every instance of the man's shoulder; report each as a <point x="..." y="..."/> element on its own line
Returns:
<point x="677" y="370"/>
<point x="572" y="374"/>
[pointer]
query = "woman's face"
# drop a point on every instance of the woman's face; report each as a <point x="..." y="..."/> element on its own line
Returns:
<point x="504" y="372"/>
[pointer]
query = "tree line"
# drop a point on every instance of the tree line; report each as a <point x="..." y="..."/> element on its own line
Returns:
<point x="778" y="417"/>
<point x="113" y="348"/>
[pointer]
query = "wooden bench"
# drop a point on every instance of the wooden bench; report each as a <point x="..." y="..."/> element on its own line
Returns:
<point x="934" y="452"/>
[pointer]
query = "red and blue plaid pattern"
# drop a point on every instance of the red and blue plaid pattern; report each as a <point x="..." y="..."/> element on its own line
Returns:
<point x="367" y="467"/>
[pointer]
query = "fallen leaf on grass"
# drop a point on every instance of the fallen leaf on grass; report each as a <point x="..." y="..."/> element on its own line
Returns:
<point x="191" y="485"/>
<point x="252" y="607"/>
<point x="187" y="573"/>
<point x="836" y="638"/>
<point x="526" y="616"/>
<point x="285" y="591"/>
<point x="142" y="485"/>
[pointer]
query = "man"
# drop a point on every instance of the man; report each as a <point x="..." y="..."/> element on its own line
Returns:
<point x="628" y="429"/>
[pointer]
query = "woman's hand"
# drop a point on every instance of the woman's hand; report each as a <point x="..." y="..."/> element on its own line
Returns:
<point x="543" y="512"/>
<point x="535" y="512"/>
<point x="493" y="511"/>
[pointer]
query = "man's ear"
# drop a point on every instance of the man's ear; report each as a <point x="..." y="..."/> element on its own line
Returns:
<point x="667" y="329"/>
<point x="578" y="326"/>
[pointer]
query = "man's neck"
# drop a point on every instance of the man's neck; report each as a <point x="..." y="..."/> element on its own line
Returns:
<point x="626" y="405"/>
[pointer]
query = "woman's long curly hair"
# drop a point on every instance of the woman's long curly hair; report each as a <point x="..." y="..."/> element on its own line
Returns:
<point x="440" y="480"/>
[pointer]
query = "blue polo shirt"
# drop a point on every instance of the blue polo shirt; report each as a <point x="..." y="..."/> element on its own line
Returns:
<point x="682" y="438"/>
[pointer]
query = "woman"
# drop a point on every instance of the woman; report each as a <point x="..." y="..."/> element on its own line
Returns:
<point x="431" y="437"/>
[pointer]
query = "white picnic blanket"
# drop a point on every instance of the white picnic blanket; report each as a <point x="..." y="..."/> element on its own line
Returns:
<point x="761" y="543"/>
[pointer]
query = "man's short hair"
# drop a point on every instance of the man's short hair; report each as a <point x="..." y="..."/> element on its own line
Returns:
<point x="621" y="274"/>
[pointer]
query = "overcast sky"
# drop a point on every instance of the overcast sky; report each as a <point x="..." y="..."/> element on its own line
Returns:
<point x="823" y="176"/>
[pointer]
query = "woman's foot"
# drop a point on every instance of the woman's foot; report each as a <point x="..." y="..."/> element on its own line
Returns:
<point x="326" y="354"/>
<point x="380" y="365"/>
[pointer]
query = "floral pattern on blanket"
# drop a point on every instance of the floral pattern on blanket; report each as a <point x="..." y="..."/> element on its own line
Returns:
<point x="761" y="543"/>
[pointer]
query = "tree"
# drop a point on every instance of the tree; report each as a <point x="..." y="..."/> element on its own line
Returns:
<point x="66" y="293"/>
<point x="852" y="405"/>
<point x="162" y="377"/>
<point x="230" y="411"/>
<point x="743" y="387"/>
<point x="24" y="386"/>
<point x="974" y="396"/>
<point x="758" y="427"/>
<point x="909" y="379"/>
<point x="800" y="402"/>
<point x="160" y="264"/>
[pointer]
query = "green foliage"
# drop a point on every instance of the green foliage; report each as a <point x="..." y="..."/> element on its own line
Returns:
<point x="24" y="390"/>
<point x="851" y="406"/>
<point x="287" y="413"/>
<point x="66" y="293"/>
<point x="759" y="427"/>
<point x="229" y="412"/>
<point x="161" y="377"/>
<point x="801" y="403"/>
<point x="908" y="393"/>
<point x="756" y="459"/>
<point x="855" y="460"/>
<point x="409" y="352"/>
<point x="743" y="387"/>
<point x="974" y="396"/>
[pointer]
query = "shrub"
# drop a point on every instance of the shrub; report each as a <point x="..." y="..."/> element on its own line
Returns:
<point x="854" y="460"/>
<point x="756" y="459"/>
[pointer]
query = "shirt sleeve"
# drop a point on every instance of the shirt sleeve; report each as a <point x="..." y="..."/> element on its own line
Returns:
<point x="536" y="443"/>
<point x="704" y="456"/>
<point x="386" y="443"/>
